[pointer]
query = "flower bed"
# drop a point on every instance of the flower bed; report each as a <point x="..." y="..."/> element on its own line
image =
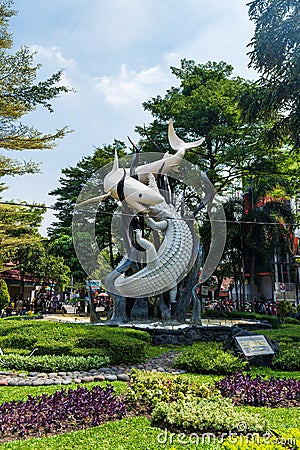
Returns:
<point x="60" y="412"/>
<point x="244" y="390"/>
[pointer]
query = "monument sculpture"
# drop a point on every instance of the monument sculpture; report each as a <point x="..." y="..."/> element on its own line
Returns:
<point x="160" y="241"/>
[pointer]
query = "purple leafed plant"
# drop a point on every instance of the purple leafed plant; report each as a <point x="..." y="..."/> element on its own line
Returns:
<point x="60" y="411"/>
<point x="259" y="392"/>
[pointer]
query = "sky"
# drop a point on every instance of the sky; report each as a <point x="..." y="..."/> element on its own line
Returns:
<point x="116" y="54"/>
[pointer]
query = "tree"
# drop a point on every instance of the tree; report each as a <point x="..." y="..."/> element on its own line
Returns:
<point x="19" y="95"/>
<point x="27" y="258"/>
<point x="35" y="260"/>
<point x="4" y="294"/>
<point x="256" y="231"/>
<point x="54" y="271"/>
<point x="276" y="55"/>
<point x="206" y="104"/>
<point x="19" y="225"/>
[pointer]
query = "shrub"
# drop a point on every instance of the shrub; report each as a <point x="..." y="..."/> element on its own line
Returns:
<point x="286" y="333"/>
<point x="288" y="358"/>
<point x="61" y="411"/>
<point x="52" y="363"/>
<point x="211" y="414"/>
<point x="291" y="321"/>
<point x="121" y="345"/>
<point x="126" y="351"/>
<point x="148" y="389"/>
<point x="15" y="340"/>
<point x="259" y="392"/>
<point x="51" y="348"/>
<point x="209" y="358"/>
<point x="4" y="294"/>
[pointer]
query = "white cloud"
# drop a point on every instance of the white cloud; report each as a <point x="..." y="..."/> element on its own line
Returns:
<point x="52" y="60"/>
<point x="130" y="86"/>
<point x="52" y="53"/>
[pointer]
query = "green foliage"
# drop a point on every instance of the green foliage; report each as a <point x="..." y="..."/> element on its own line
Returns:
<point x="285" y="334"/>
<point x="18" y="227"/>
<point x="126" y="351"/>
<point x="213" y="414"/>
<point x="120" y="345"/>
<point x="4" y="294"/>
<point x="208" y="358"/>
<point x="291" y="321"/>
<point x="51" y="363"/>
<point x="149" y="389"/>
<point x="288" y="358"/>
<point x="275" y="54"/>
<point x="284" y="309"/>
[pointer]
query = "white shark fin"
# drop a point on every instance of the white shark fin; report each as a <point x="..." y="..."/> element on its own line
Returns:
<point x="178" y="144"/>
<point x="116" y="163"/>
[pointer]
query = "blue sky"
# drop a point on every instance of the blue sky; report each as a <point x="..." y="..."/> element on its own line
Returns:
<point x="116" y="54"/>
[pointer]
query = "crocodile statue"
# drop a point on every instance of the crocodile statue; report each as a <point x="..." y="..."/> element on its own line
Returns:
<point x="167" y="265"/>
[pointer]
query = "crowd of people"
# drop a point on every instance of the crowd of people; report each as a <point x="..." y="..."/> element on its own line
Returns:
<point x="261" y="306"/>
<point x="47" y="302"/>
<point x="43" y="302"/>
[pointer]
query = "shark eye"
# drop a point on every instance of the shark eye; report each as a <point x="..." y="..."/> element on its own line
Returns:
<point x="140" y="195"/>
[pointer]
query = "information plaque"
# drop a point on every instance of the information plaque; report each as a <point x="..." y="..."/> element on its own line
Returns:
<point x="254" y="345"/>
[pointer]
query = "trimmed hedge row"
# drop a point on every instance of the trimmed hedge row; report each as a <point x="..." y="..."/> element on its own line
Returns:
<point x="48" y="338"/>
<point x="52" y="363"/>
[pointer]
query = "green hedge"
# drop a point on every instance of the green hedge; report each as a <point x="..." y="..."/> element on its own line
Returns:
<point x="209" y="358"/>
<point x="51" y="363"/>
<point x="49" y="338"/>
<point x="287" y="333"/>
<point x="291" y="321"/>
<point x="288" y="358"/>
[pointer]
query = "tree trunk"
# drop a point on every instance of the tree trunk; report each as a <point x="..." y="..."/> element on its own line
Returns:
<point x="196" y="318"/>
<point x="252" y="276"/>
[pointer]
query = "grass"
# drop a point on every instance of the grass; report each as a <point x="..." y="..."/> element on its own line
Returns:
<point x="18" y="393"/>
<point x="137" y="434"/>
<point x="286" y="332"/>
<point x="267" y="372"/>
<point x="126" y="434"/>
